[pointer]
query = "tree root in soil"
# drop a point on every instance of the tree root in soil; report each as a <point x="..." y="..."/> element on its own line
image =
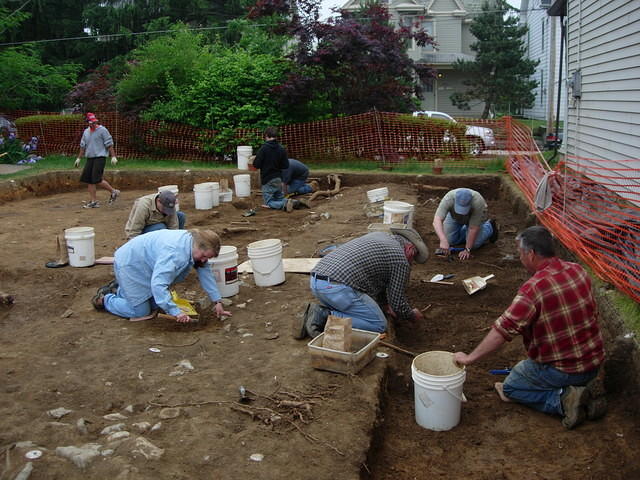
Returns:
<point x="333" y="177"/>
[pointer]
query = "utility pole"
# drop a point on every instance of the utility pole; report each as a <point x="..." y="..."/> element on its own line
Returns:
<point x="551" y="75"/>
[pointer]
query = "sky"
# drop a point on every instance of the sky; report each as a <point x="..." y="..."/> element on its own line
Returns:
<point x="327" y="5"/>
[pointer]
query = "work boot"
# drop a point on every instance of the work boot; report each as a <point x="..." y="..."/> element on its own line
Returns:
<point x="289" y="206"/>
<point x="597" y="404"/>
<point x="298" y="327"/>
<point x="315" y="319"/>
<point x="574" y="401"/>
<point x="303" y="203"/>
<point x="98" y="301"/>
<point x="494" y="234"/>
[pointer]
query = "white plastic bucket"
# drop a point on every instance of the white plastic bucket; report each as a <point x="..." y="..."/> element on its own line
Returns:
<point x="378" y="194"/>
<point x="243" y="185"/>
<point x="266" y="262"/>
<point x="225" y="270"/>
<point x="398" y="212"/>
<point x="175" y="190"/>
<point x="80" y="246"/>
<point x="226" y="196"/>
<point x="437" y="382"/>
<point x="202" y="194"/>
<point x="244" y="152"/>
<point x="215" y="193"/>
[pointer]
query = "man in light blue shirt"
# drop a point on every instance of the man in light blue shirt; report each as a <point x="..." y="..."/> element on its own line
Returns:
<point x="149" y="264"/>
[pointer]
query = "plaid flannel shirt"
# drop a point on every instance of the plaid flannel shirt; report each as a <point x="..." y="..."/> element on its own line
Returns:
<point x="557" y="316"/>
<point x="374" y="264"/>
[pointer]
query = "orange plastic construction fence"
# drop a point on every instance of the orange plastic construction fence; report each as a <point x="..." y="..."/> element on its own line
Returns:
<point x="382" y="137"/>
<point x="591" y="205"/>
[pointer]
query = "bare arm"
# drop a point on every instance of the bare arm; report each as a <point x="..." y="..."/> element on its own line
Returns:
<point x="438" y="226"/>
<point x="489" y="344"/>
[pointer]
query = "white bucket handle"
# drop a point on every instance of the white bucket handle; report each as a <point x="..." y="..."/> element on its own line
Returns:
<point x="266" y="273"/>
<point x="460" y="398"/>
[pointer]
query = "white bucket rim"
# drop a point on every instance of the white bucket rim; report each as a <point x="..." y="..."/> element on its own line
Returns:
<point x="77" y="230"/>
<point x="398" y="204"/>
<point x="268" y="243"/>
<point x="203" y="187"/>
<point x="461" y="370"/>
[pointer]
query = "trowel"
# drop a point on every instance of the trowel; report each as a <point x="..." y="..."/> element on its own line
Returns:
<point x="475" y="284"/>
<point x="439" y="278"/>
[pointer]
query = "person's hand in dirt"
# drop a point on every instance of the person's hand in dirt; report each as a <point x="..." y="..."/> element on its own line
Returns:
<point x="389" y="311"/>
<point x="417" y="315"/>
<point x="183" y="318"/>
<point x="220" y="311"/>
<point x="465" y="254"/>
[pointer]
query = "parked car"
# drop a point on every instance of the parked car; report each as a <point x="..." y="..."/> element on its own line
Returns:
<point x="479" y="138"/>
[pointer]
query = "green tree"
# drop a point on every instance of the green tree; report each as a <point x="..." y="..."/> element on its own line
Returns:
<point x="500" y="74"/>
<point x="28" y="84"/>
<point x="52" y="19"/>
<point x="176" y="60"/>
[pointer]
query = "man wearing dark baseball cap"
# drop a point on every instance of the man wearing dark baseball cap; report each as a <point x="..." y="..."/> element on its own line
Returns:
<point x="462" y="219"/>
<point x="154" y="212"/>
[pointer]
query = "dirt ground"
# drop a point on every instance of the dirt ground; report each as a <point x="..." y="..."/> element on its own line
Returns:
<point x="56" y="351"/>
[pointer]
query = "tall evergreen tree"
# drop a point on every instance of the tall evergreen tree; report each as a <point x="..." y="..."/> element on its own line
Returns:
<point x="500" y="73"/>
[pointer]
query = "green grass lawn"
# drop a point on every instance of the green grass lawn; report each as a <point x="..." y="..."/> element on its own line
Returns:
<point x="471" y="166"/>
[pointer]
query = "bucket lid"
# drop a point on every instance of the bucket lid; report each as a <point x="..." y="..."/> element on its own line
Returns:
<point x="437" y="364"/>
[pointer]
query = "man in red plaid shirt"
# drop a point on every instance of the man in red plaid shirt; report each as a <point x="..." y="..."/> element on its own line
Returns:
<point x="557" y="316"/>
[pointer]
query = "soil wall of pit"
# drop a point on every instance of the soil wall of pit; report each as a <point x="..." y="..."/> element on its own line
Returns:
<point x="623" y="363"/>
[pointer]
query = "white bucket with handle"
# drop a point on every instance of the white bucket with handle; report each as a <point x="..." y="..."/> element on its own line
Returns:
<point x="80" y="246"/>
<point x="203" y="196"/>
<point x="215" y="193"/>
<point x="266" y="262"/>
<point x="244" y="152"/>
<point x="242" y="185"/>
<point x="225" y="270"/>
<point x="437" y="382"/>
<point x="398" y="212"/>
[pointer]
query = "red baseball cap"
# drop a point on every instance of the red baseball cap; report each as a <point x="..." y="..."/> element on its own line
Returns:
<point x="91" y="118"/>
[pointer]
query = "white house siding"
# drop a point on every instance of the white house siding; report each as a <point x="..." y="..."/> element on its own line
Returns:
<point x="604" y="124"/>
<point x="536" y="18"/>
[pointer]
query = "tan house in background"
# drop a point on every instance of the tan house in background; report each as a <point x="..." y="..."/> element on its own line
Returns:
<point x="448" y="22"/>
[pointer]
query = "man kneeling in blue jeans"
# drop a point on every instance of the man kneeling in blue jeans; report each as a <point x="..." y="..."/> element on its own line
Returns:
<point x="557" y="316"/>
<point x="349" y="279"/>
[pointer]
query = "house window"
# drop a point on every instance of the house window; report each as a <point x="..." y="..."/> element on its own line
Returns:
<point x="542" y="37"/>
<point x="416" y="22"/>
<point x="541" y="87"/>
<point x="428" y="85"/>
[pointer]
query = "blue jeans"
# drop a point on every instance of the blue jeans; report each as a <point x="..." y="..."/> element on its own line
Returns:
<point x="182" y="219"/>
<point x="540" y="386"/>
<point x="344" y="301"/>
<point x="299" y="186"/>
<point x="457" y="233"/>
<point x="272" y="194"/>
<point x="118" y="305"/>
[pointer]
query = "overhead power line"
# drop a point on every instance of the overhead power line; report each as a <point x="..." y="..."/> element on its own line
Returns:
<point x="154" y="32"/>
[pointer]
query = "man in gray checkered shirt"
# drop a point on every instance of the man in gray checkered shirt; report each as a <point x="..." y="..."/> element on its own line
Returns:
<point x="350" y="279"/>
